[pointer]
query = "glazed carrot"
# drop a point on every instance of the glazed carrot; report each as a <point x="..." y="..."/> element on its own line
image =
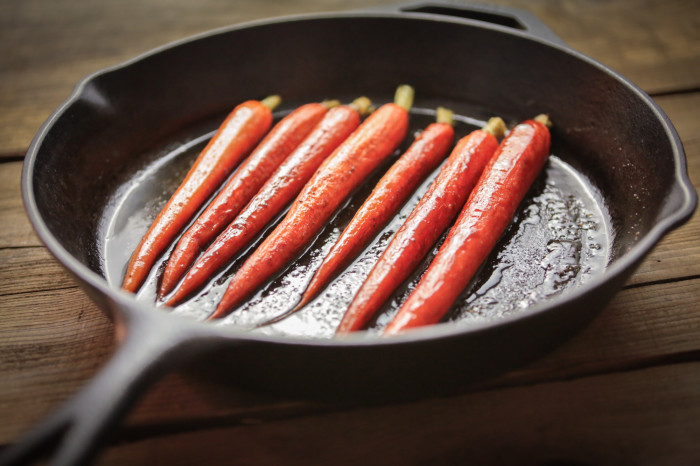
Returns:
<point x="423" y="227"/>
<point x="284" y="137"/>
<point x="349" y="165"/>
<point x="276" y="193"/>
<point x="485" y="216"/>
<point x="235" y="138"/>
<point x="426" y="152"/>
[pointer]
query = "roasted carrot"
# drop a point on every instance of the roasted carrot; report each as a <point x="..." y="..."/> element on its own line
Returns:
<point x="404" y="176"/>
<point x="284" y="137"/>
<point x="487" y="213"/>
<point x="235" y="138"/>
<point x="376" y="138"/>
<point x="432" y="215"/>
<point x="276" y="193"/>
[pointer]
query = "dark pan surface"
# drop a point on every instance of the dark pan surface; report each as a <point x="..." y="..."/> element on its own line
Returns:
<point x="618" y="167"/>
<point x="560" y="239"/>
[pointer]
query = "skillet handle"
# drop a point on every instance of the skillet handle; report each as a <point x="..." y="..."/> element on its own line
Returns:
<point x="514" y="18"/>
<point x="77" y="429"/>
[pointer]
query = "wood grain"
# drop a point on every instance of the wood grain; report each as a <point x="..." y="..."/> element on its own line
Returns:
<point x="50" y="345"/>
<point x="653" y="43"/>
<point x="642" y="414"/>
<point x="678" y="254"/>
<point x="49" y="46"/>
<point x="16" y="230"/>
<point x="30" y="270"/>
<point x="625" y="390"/>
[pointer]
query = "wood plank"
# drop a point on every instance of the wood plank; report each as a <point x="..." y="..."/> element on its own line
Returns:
<point x="50" y="344"/>
<point x="640" y="326"/>
<point x="654" y="44"/>
<point x="31" y="269"/>
<point x="638" y="417"/>
<point x="16" y="230"/>
<point x="682" y="110"/>
<point x="49" y="46"/>
<point x="44" y="360"/>
<point x="680" y="250"/>
<point x="678" y="254"/>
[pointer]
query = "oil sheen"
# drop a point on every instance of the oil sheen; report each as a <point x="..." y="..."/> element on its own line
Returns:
<point x="559" y="239"/>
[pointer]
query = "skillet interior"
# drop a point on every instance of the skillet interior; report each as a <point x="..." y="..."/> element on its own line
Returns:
<point x="124" y="119"/>
<point x="561" y="240"/>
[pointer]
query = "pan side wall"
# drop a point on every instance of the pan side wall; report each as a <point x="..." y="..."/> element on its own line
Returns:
<point x="601" y="126"/>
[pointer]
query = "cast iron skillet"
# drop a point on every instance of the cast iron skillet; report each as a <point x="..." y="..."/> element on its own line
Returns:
<point x="479" y="61"/>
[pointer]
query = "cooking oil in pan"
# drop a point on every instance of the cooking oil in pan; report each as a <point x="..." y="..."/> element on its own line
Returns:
<point x="559" y="239"/>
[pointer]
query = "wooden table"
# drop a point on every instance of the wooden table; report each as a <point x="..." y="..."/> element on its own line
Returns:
<point x="626" y="390"/>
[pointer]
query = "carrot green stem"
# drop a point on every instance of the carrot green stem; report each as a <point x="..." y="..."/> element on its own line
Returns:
<point x="362" y="105"/>
<point x="495" y="126"/>
<point x="444" y="115"/>
<point x="272" y="101"/>
<point x="329" y="104"/>
<point x="544" y="119"/>
<point x="404" y="96"/>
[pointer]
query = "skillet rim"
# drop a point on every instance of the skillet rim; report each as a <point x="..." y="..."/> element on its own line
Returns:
<point x="129" y="305"/>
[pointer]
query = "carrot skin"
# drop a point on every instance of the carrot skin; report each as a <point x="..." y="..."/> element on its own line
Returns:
<point x="424" y="155"/>
<point x="363" y="151"/>
<point x="276" y="193"/>
<point x="235" y="138"/>
<point x="487" y="213"/>
<point x="284" y="137"/>
<point x="423" y="227"/>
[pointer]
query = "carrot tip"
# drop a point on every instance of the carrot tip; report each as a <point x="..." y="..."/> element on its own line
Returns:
<point x="495" y="126"/>
<point x="544" y="119"/>
<point x="217" y="314"/>
<point x="330" y="103"/>
<point x="362" y="105"/>
<point x="444" y="115"/>
<point x="404" y="96"/>
<point x="272" y="101"/>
